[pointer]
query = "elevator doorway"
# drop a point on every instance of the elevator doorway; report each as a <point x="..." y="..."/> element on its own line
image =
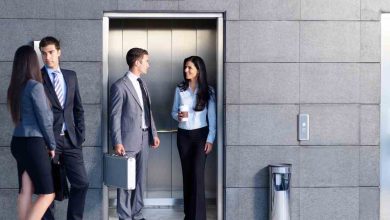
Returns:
<point x="168" y="42"/>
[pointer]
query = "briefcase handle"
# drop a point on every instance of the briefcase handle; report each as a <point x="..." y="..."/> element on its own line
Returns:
<point x="124" y="155"/>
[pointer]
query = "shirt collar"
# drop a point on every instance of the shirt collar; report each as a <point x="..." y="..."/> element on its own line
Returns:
<point x="132" y="76"/>
<point x="50" y="70"/>
<point x="192" y="92"/>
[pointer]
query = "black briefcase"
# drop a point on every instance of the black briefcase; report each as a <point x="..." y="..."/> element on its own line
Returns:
<point x="61" y="187"/>
<point x="119" y="171"/>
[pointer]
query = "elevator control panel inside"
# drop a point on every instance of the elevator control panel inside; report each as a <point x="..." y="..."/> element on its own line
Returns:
<point x="304" y="131"/>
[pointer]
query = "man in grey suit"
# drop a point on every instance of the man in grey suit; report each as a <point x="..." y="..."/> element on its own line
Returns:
<point x="133" y="129"/>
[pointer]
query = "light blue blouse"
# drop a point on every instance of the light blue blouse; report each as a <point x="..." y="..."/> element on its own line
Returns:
<point x="196" y="119"/>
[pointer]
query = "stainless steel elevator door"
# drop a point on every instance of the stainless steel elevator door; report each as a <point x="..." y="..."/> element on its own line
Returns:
<point x="168" y="43"/>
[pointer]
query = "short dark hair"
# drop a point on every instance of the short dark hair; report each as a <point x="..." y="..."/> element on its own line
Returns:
<point x="135" y="54"/>
<point x="49" y="40"/>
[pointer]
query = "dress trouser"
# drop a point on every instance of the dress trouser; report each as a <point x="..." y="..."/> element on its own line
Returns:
<point x="77" y="176"/>
<point x="190" y="144"/>
<point x="131" y="202"/>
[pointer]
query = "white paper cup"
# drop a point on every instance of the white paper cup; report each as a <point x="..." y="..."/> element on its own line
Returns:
<point x="184" y="108"/>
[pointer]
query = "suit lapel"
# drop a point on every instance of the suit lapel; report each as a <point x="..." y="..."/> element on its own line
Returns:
<point x="49" y="86"/>
<point x="131" y="88"/>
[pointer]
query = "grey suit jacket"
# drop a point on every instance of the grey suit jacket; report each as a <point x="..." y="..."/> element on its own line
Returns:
<point x="126" y="116"/>
<point x="36" y="117"/>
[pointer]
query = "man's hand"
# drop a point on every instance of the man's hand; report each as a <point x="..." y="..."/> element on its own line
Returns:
<point x="156" y="143"/>
<point x="119" y="150"/>
<point x="208" y="147"/>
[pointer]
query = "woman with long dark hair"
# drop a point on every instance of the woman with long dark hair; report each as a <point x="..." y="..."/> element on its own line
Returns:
<point x="33" y="140"/>
<point x="194" y="109"/>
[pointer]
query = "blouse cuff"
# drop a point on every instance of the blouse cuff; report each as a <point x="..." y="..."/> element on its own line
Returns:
<point x="210" y="138"/>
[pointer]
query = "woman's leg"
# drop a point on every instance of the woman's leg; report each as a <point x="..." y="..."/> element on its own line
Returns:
<point x="198" y="200"/>
<point x="184" y="148"/>
<point x="28" y="210"/>
<point x="25" y="196"/>
<point x="39" y="170"/>
<point x="40" y="206"/>
<point x="198" y="191"/>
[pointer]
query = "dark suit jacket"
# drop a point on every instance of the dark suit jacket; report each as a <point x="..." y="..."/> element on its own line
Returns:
<point x="72" y="113"/>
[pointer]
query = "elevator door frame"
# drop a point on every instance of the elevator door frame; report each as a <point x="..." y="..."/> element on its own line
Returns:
<point x="220" y="91"/>
<point x="384" y="118"/>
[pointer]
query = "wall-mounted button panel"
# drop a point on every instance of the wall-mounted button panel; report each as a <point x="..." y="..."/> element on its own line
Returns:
<point x="304" y="131"/>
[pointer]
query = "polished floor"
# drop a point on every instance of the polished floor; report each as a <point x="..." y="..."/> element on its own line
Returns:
<point x="153" y="211"/>
<point x="166" y="213"/>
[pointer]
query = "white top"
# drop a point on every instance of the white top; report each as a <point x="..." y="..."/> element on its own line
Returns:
<point x="196" y="119"/>
<point x="134" y="80"/>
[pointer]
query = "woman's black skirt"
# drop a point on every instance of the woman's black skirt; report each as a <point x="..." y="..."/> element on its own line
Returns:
<point x="31" y="156"/>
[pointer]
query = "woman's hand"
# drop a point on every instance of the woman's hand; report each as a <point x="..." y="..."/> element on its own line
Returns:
<point x="208" y="147"/>
<point x="52" y="153"/>
<point x="182" y="115"/>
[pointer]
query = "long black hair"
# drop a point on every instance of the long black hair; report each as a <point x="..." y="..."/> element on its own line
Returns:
<point x="24" y="68"/>
<point x="204" y="93"/>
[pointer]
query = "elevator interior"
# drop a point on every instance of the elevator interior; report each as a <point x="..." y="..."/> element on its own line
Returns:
<point x="168" y="43"/>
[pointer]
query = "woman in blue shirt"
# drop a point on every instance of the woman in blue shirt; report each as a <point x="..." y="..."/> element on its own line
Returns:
<point x="33" y="139"/>
<point x="196" y="133"/>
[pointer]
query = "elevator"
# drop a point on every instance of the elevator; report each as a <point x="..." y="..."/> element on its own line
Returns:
<point x="169" y="39"/>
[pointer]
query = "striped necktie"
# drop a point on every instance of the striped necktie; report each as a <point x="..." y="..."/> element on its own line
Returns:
<point x="58" y="87"/>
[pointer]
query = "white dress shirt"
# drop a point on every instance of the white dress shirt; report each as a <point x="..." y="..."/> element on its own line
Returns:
<point x="134" y="80"/>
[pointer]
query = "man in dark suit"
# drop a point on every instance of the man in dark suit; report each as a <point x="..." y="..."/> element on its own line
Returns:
<point x="62" y="90"/>
<point x="133" y="129"/>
